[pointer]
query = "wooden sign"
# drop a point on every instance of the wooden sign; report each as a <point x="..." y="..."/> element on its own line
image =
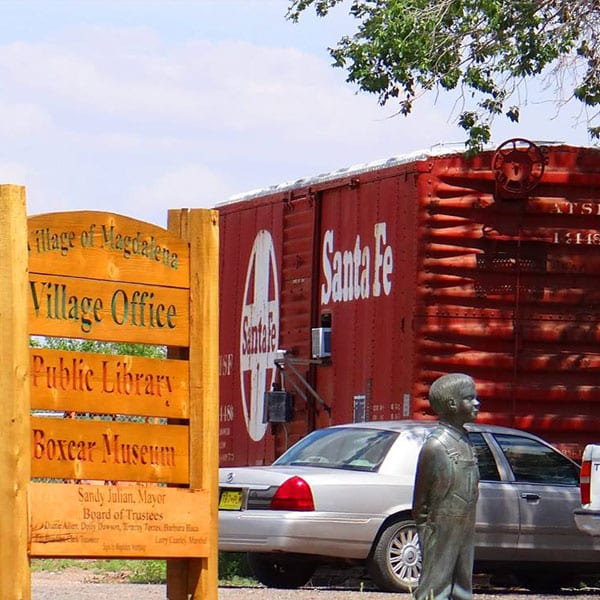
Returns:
<point x="103" y="277"/>
<point x="109" y="450"/>
<point x="128" y="521"/>
<point x="108" y="383"/>
<point x="105" y="246"/>
<point x="111" y="311"/>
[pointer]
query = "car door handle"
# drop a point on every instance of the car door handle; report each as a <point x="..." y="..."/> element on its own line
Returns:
<point x="530" y="497"/>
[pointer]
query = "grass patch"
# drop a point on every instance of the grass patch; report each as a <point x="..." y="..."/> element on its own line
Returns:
<point x="130" y="571"/>
<point x="233" y="569"/>
<point x="148" y="571"/>
<point x="56" y="564"/>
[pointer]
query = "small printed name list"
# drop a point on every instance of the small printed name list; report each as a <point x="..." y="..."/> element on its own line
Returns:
<point x="128" y="521"/>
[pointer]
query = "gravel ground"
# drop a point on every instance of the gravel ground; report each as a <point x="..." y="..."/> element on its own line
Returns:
<point x="75" y="584"/>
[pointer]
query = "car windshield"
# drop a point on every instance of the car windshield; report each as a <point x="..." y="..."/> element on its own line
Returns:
<point x="357" y="449"/>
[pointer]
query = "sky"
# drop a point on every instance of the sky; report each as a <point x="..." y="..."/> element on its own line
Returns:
<point x="138" y="107"/>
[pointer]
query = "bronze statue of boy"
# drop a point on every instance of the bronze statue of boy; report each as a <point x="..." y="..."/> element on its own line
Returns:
<point x="446" y="490"/>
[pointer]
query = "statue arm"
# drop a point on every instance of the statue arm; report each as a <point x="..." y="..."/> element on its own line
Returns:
<point x="433" y="479"/>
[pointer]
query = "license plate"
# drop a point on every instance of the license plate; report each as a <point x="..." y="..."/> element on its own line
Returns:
<point x="230" y="500"/>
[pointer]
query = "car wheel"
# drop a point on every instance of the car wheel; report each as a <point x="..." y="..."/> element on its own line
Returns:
<point x="395" y="562"/>
<point x="281" y="571"/>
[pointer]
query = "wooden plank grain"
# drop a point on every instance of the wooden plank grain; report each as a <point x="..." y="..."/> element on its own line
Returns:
<point x="109" y="311"/>
<point x="109" y="450"/>
<point x="124" y="521"/>
<point x="203" y="235"/>
<point x="106" y="246"/>
<point x="14" y="401"/>
<point x="108" y="384"/>
<point x="198" y="579"/>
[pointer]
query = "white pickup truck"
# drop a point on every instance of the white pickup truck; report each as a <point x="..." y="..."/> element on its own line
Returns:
<point x="587" y="518"/>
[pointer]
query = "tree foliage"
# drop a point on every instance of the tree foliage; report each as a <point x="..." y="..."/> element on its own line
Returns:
<point x="485" y="49"/>
<point x="94" y="346"/>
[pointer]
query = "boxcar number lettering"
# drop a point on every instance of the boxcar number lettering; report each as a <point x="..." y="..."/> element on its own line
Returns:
<point x="581" y="238"/>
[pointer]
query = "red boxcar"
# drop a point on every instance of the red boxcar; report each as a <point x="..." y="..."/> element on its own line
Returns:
<point x="344" y="296"/>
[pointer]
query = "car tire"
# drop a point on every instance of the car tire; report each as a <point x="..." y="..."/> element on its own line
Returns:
<point x="395" y="561"/>
<point x="281" y="571"/>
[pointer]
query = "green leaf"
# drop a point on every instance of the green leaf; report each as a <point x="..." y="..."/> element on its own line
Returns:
<point x="483" y="48"/>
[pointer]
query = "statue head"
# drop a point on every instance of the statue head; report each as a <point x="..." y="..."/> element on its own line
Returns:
<point x="453" y="398"/>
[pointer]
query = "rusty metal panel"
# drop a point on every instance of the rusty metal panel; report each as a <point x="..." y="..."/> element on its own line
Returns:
<point x="365" y="286"/>
<point x="250" y="267"/>
<point x="509" y="290"/>
<point x="297" y="314"/>
<point x="266" y="270"/>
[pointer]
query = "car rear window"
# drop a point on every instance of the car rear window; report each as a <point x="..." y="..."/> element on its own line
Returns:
<point x="533" y="462"/>
<point x="356" y="449"/>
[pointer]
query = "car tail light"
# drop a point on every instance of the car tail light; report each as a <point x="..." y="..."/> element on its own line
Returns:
<point x="293" y="494"/>
<point x="584" y="481"/>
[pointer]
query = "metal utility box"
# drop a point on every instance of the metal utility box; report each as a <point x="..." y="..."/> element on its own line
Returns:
<point x="321" y="342"/>
<point x="279" y="407"/>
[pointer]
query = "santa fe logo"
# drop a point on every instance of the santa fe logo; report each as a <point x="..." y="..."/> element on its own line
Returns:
<point x="259" y="335"/>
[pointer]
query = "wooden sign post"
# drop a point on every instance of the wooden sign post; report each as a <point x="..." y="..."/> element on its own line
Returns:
<point x="15" y="460"/>
<point x="200" y="229"/>
<point x="132" y="471"/>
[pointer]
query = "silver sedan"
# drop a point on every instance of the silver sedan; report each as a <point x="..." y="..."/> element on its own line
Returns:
<point x="344" y="493"/>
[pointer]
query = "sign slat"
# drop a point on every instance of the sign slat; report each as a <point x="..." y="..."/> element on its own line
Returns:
<point x="108" y="311"/>
<point x="109" y="450"/>
<point x="106" y="246"/>
<point x="108" y="383"/>
<point x="127" y="521"/>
